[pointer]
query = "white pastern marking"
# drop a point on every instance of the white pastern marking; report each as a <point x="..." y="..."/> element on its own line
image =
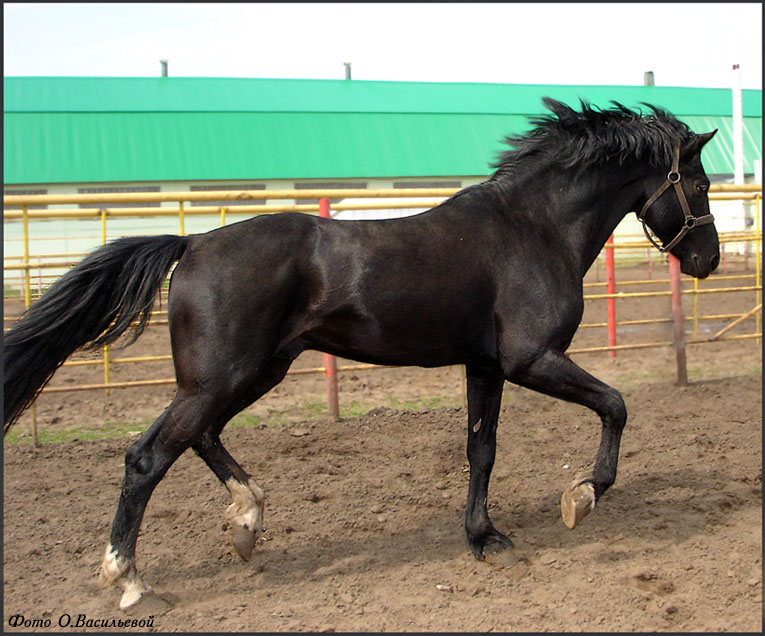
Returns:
<point x="120" y="570"/>
<point x="249" y="504"/>
<point x="113" y="567"/>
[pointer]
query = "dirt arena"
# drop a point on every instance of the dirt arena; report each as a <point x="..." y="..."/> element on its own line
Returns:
<point x="364" y="516"/>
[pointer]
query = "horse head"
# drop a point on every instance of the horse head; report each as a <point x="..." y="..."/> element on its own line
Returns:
<point x="681" y="218"/>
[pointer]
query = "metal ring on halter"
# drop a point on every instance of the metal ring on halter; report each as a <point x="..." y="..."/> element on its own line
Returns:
<point x="673" y="179"/>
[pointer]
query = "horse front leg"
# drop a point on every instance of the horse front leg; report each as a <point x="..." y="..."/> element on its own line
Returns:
<point x="484" y="395"/>
<point x="556" y="375"/>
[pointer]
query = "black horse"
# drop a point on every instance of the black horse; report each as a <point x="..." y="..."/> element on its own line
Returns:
<point x="491" y="278"/>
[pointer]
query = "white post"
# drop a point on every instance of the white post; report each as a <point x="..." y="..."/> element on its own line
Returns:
<point x="738" y="146"/>
<point x="738" y="128"/>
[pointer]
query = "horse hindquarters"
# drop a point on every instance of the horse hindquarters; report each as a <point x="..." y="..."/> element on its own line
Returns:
<point x="225" y="358"/>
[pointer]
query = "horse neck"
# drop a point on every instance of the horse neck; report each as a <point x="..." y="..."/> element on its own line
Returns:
<point x="586" y="207"/>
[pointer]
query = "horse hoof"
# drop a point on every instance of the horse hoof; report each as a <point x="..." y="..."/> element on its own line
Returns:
<point x="503" y="559"/>
<point x="493" y="547"/>
<point x="145" y="604"/>
<point x="244" y="542"/>
<point x="576" y="503"/>
<point x="497" y="543"/>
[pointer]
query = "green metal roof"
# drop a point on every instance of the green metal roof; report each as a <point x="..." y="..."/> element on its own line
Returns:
<point x="64" y="129"/>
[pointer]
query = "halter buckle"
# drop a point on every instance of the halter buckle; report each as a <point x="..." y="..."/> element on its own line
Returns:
<point x="673" y="177"/>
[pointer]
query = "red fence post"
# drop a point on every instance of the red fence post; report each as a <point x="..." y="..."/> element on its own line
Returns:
<point x="611" y="280"/>
<point x="677" y="319"/>
<point x="330" y="362"/>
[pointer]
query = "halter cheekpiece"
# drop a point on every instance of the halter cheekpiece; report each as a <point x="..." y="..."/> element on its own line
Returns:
<point x="673" y="179"/>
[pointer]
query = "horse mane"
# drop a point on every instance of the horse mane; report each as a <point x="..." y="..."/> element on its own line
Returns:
<point x="570" y="138"/>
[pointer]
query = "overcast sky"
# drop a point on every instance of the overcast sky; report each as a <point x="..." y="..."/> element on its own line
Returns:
<point x="684" y="44"/>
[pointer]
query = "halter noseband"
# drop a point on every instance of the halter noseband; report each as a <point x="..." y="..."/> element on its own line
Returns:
<point x="673" y="179"/>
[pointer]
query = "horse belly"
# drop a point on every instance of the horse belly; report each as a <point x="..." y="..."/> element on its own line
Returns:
<point x="417" y="332"/>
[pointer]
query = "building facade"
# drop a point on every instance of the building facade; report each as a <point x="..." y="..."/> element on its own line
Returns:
<point x="86" y="135"/>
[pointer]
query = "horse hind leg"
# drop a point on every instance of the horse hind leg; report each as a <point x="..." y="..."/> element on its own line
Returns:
<point x="248" y="500"/>
<point x="195" y="420"/>
<point x="146" y="462"/>
<point x="144" y="468"/>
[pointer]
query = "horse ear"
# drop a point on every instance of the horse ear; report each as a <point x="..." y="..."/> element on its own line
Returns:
<point x="703" y="138"/>
<point x="697" y="142"/>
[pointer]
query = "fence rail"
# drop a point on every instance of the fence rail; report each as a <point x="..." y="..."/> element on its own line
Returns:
<point x="426" y="198"/>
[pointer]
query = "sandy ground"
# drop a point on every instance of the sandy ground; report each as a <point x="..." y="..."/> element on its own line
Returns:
<point x="364" y="516"/>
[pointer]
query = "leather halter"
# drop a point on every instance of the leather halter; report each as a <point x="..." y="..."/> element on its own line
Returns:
<point x="690" y="221"/>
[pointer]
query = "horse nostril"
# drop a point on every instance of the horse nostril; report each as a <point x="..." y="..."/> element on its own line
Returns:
<point x="715" y="261"/>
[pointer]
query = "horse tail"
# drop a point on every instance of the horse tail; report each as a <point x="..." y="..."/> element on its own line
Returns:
<point x="93" y="304"/>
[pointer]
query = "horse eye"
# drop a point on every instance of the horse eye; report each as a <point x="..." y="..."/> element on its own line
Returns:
<point x="702" y="188"/>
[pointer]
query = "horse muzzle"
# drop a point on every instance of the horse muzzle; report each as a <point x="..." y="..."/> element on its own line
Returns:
<point x="699" y="267"/>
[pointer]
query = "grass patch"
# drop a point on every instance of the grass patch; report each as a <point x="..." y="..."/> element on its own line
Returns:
<point x="356" y="408"/>
<point x="434" y="402"/>
<point x="311" y="410"/>
<point x="307" y="411"/>
<point x="108" y="430"/>
<point x="245" y="420"/>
